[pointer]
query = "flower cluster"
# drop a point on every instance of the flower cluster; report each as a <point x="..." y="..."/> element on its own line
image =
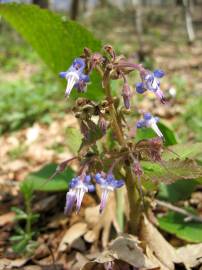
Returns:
<point x="82" y="184"/>
<point x="150" y="121"/>
<point x="75" y="76"/>
<point x="95" y="119"/>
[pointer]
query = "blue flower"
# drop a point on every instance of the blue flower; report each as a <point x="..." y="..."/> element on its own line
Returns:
<point x="78" y="187"/>
<point x="74" y="76"/>
<point x="150" y="121"/>
<point x="150" y="82"/>
<point x="108" y="183"/>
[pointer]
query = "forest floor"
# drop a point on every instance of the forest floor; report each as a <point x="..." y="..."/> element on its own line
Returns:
<point x="34" y="133"/>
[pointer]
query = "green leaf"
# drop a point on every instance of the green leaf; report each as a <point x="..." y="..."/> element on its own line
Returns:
<point x="56" y="40"/>
<point x="171" y="170"/>
<point x="148" y="133"/>
<point x="174" y="223"/>
<point x="168" y="133"/>
<point x="74" y="139"/>
<point x="20" y="246"/>
<point x="40" y="181"/>
<point x="189" y="150"/>
<point x="180" y="190"/>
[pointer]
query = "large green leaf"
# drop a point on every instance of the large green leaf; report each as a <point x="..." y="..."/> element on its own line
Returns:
<point x="56" y="40"/>
<point x="180" y="190"/>
<point x="171" y="170"/>
<point x="74" y="139"/>
<point x="188" y="150"/>
<point x="147" y="133"/>
<point x="174" y="223"/>
<point x="39" y="180"/>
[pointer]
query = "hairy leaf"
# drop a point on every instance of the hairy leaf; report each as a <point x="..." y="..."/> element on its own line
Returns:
<point x="56" y="40"/>
<point x="74" y="139"/>
<point x="171" y="170"/>
<point x="180" y="190"/>
<point x="188" y="150"/>
<point x="174" y="223"/>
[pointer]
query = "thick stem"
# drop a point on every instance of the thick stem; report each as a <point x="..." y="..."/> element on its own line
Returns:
<point x="134" y="202"/>
<point x="133" y="196"/>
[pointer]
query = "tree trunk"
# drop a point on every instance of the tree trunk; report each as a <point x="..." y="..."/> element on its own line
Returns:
<point x="74" y="9"/>
<point x="188" y="21"/>
<point x="41" y="3"/>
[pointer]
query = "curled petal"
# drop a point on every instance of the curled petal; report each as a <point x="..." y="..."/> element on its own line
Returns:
<point x="118" y="183"/>
<point x="140" y="88"/>
<point x="158" y="73"/>
<point x="141" y="124"/>
<point x="147" y="116"/>
<point x="63" y="74"/>
<point x="79" y="64"/>
<point x="91" y="188"/>
<point x="87" y="178"/>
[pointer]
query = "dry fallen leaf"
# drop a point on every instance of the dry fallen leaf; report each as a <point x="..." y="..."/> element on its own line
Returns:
<point x="162" y="250"/>
<point x="9" y="264"/>
<point x="7" y="218"/>
<point x="72" y="234"/>
<point x="124" y="248"/>
<point x="191" y="255"/>
<point x="101" y="223"/>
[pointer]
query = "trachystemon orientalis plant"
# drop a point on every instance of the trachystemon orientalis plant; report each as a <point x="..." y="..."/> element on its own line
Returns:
<point x="118" y="163"/>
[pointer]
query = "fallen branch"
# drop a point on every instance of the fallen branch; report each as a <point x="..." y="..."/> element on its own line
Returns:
<point x="179" y="210"/>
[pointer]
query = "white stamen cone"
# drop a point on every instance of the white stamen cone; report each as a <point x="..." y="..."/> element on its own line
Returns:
<point x="72" y="78"/>
<point x="155" y="84"/>
<point x="105" y="193"/>
<point x="153" y="125"/>
<point x="80" y="191"/>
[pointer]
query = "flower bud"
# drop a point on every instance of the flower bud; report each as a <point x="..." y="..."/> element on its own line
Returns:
<point x="126" y="93"/>
<point x="102" y="124"/>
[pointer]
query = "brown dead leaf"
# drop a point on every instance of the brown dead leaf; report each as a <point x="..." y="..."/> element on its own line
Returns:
<point x="7" y="218"/>
<point x="9" y="264"/>
<point x="72" y="234"/>
<point x="125" y="248"/>
<point x="101" y="223"/>
<point x="161" y="249"/>
<point x="191" y="255"/>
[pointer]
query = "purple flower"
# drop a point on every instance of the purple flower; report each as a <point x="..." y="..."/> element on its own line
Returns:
<point x="74" y="76"/>
<point x="150" y="121"/>
<point x="150" y="82"/>
<point x="78" y="187"/>
<point x="108" y="183"/>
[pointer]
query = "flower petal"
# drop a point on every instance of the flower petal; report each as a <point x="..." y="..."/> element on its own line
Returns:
<point x="158" y="73"/>
<point x="140" y="88"/>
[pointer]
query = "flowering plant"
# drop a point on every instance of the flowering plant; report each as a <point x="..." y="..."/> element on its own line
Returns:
<point x="98" y="120"/>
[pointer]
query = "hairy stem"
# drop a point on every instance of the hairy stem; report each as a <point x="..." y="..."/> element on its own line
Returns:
<point x="133" y="196"/>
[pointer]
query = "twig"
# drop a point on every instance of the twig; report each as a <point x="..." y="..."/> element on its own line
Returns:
<point x="179" y="210"/>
